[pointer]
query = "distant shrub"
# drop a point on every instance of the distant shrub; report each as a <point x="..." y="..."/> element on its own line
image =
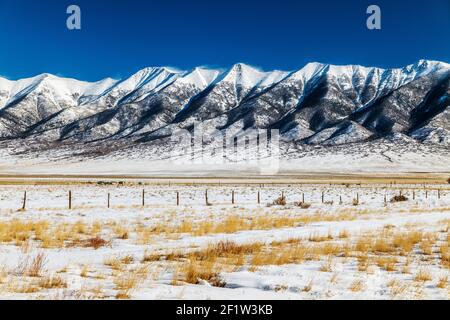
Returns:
<point x="302" y="205"/>
<point x="448" y="180"/>
<point x="95" y="243"/>
<point x="399" y="198"/>
<point x="281" y="201"/>
<point x="104" y="183"/>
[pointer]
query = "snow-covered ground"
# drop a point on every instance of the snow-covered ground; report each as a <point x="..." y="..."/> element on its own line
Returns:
<point x="343" y="242"/>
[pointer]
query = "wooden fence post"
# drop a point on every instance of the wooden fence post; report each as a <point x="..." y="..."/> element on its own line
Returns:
<point x="109" y="196"/>
<point x="206" y="197"/>
<point x="70" y="199"/>
<point x="303" y="197"/>
<point x="143" y="197"/>
<point x="178" y="198"/>
<point x="259" y="198"/>
<point x="24" y="200"/>
<point x="232" y="196"/>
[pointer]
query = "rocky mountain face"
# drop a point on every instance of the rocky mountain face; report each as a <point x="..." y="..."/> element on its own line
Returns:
<point x="319" y="104"/>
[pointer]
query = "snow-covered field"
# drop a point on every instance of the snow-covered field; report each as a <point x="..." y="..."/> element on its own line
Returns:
<point x="343" y="242"/>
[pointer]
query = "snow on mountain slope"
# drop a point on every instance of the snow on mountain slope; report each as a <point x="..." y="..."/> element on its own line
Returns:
<point x="199" y="77"/>
<point x="319" y="104"/>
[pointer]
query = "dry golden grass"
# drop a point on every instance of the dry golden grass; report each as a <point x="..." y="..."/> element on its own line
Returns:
<point x="23" y="287"/>
<point x="406" y="267"/>
<point x="343" y="234"/>
<point x="405" y="241"/>
<point x="316" y="237"/>
<point x="423" y="275"/>
<point x="3" y="274"/>
<point x="122" y="295"/>
<point x="334" y="278"/>
<point x="444" y="254"/>
<point x="126" y="281"/>
<point x="442" y="283"/>
<point x="194" y="272"/>
<point x="128" y="259"/>
<point x="427" y="247"/>
<point x="235" y="223"/>
<point x="327" y="264"/>
<point x="308" y="287"/>
<point x="382" y="245"/>
<point x="113" y="262"/>
<point x="280" y="255"/>
<point x="51" y="235"/>
<point x="120" y="232"/>
<point x="363" y="262"/>
<point x="356" y="286"/>
<point x="383" y="248"/>
<point x="32" y="265"/>
<point x="18" y="231"/>
<point x="386" y="263"/>
<point x="397" y="288"/>
<point x="52" y="282"/>
<point x="94" y="243"/>
<point x="84" y="271"/>
<point x="226" y="249"/>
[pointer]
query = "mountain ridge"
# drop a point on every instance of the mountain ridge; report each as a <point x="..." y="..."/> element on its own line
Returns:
<point x="318" y="104"/>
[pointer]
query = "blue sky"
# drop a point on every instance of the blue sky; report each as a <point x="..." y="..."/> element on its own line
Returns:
<point x="120" y="37"/>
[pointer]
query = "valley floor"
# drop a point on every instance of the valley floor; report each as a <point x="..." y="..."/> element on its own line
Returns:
<point x="344" y="240"/>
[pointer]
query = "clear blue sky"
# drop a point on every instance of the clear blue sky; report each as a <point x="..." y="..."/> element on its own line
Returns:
<point x="120" y="37"/>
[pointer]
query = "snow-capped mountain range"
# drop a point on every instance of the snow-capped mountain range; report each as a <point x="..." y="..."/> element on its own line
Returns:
<point x="319" y="104"/>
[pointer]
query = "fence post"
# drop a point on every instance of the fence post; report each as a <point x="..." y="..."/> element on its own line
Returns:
<point x="70" y="199"/>
<point x="232" y="196"/>
<point x="109" y="200"/>
<point x="178" y="198"/>
<point x="303" y="197"/>
<point x="143" y="197"/>
<point x="323" y="196"/>
<point x="206" y="197"/>
<point x="259" y="198"/>
<point x="24" y="200"/>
